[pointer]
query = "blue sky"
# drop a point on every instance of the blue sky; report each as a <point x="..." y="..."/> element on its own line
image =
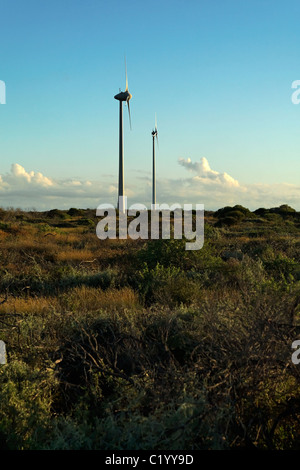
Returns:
<point x="218" y="73"/>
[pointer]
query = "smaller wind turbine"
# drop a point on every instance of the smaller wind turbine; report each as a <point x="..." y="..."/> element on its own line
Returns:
<point x="154" y="135"/>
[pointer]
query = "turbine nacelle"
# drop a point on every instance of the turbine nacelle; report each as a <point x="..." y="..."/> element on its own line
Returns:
<point x="155" y="132"/>
<point x="123" y="96"/>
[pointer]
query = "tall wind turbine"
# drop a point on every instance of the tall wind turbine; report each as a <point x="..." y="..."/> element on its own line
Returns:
<point x="154" y="135"/>
<point x="122" y="96"/>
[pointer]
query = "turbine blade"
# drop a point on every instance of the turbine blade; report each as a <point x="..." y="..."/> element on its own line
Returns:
<point x="126" y="89"/>
<point x="155" y="122"/>
<point x="157" y="140"/>
<point x="129" y="113"/>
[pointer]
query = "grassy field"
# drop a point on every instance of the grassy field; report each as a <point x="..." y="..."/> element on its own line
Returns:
<point x="123" y="344"/>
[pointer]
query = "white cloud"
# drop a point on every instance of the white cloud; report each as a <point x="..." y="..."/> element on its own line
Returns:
<point x="19" y="175"/>
<point x="206" y="175"/>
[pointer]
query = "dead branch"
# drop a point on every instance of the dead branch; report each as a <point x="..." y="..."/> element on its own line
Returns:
<point x="87" y="261"/>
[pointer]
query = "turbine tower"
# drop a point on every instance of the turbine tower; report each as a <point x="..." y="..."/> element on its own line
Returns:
<point x="122" y="96"/>
<point x="154" y="135"/>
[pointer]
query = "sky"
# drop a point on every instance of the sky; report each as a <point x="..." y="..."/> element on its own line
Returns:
<point x="217" y="73"/>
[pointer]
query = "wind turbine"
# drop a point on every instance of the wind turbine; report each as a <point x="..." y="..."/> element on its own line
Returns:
<point x="154" y="135"/>
<point x="122" y="96"/>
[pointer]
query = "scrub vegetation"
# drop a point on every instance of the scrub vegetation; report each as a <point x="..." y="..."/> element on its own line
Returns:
<point x="140" y="344"/>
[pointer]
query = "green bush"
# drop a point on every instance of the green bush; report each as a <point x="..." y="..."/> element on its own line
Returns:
<point x="282" y="267"/>
<point x="228" y="210"/>
<point x="56" y="213"/>
<point x="25" y="403"/>
<point x="165" y="252"/>
<point x="75" y="212"/>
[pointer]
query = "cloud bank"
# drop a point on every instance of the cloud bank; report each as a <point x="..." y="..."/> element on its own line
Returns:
<point x="31" y="189"/>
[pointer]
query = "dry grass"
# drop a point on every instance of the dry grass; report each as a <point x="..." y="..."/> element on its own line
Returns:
<point x="68" y="238"/>
<point x="75" y="255"/>
<point x="30" y="305"/>
<point x="86" y="299"/>
<point x="30" y="244"/>
<point x="79" y="299"/>
<point x="3" y="235"/>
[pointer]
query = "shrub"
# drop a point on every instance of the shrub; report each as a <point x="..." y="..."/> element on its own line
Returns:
<point x="87" y="222"/>
<point x="282" y="267"/>
<point x="283" y="210"/>
<point x="25" y="403"/>
<point x="227" y="211"/>
<point x="56" y="213"/>
<point x="75" y="212"/>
